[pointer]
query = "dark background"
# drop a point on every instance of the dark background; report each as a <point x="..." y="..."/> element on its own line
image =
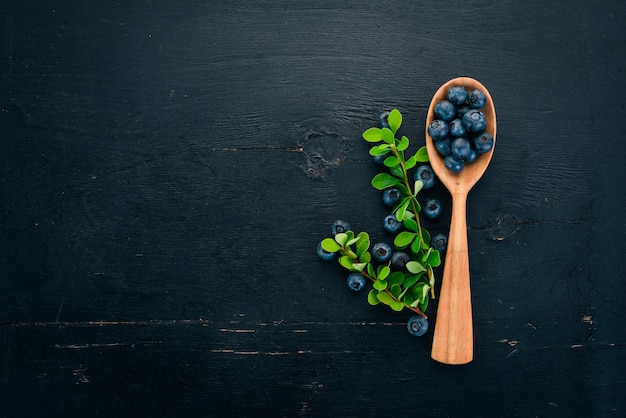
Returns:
<point x="167" y="169"/>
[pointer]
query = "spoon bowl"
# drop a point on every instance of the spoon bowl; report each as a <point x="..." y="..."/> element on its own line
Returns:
<point x="453" y="338"/>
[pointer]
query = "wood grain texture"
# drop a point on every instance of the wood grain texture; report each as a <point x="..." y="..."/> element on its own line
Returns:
<point x="168" y="168"/>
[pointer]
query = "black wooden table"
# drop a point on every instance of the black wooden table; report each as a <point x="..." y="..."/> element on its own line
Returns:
<point x="167" y="169"/>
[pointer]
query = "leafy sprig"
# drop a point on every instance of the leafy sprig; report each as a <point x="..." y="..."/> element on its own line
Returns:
<point x="411" y="286"/>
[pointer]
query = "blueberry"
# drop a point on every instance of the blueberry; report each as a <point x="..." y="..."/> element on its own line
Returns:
<point x="483" y="142"/>
<point x="474" y="120"/>
<point x="399" y="260"/>
<point x="378" y="159"/>
<point x="340" y="226"/>
<point x="323" y="254"/>
<point x="391" y="224"/>
<point x="381" y="252"/>
<point x="445" y="110"/>
<point x="457" y="128"/>
<point x="457" y="95"/>
<point x="426" y="174"/>
<point x="443" y="146"/>
<point x="356" y="281"/>
<point x="417" y="325"/>
<point x="391" y="196"/>
<point x="476" y="99"/>
<point x="454" y="164"/>
<point x="432" y="208"/>
<point x="438" y="129"/>
<point x="382" y="120"/>
<point x="439" y="242"/>
<point x="471" y="157"/>
<point x="460" y="148"/>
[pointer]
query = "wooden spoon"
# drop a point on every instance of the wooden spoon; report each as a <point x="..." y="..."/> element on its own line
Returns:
<point x="453" y="339"/>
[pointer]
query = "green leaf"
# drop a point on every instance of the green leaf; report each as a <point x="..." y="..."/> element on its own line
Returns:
<point x="330" y="245"/>
<point x="423" y="305"/>
<point x="397" y="277"/>
<point x="362" y="244"/>
<point x="397" y="306"/>
<point x="370" y="270"/>
<point x="391" y="161"/>
<point x="401" y="209"/>
<point x="415" y="267"/>
<point x="410" y="163"/>
<point x="352" y="241"/>
<point x="373" y="135"/>
<point x="383" y="272"/>
<point x="382" y="181"/>
<point x="419" y="184"/>
<point x="378" y="150"/>
<point x="410" y="224"/>
<point x="366" y="257"/>
<point x="372" y="298"/>
<point x="403" y="144"/>
<point x="385" y="298"/>
<point x="395" y="120"/>
<point x="346" y="262"/>
<point x="421" y="155"/>
<point x="404" y="238"/>
<point x="416" y="246"/>
<point x="395" y="290"/>
<point x="380" y="284"/>
<point x="358" y="266"/>
<point x="387" y="136"/>
<point x="434" y="259"/>
<point x="411" y="280"/>
<point x="409" y="299"/>
<point x="341" y="238"/>
<point x="425" y="291"/>
<point x="396" y="170"/>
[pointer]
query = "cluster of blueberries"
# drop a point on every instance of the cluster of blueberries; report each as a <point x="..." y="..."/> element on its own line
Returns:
<point x="458" y="131"/>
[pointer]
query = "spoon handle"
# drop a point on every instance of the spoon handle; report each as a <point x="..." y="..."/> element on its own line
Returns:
<point x="453" y="340"/>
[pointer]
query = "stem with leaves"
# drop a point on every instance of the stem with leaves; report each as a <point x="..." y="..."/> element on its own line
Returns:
<point x="410" y="286"/>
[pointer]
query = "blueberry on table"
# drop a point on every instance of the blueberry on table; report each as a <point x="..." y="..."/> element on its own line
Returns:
<point x="483" y="142"/>
<point x="379" y="159"/>
<point x="391" y="224"/>
<point x="438" y="129"/>
<point x="460" y="148"/>
<point x="439" y="242"/>
<point x="443" y="146"/>
<point x="457" y="128"/>
<point x="445" y="110"/>
<point x="382" y="120"/>
<point x="323" y="254"/>
<point x="356" y="282"/>
<point x="453" y="164"/>
<point x="399" y="260"/>
<point x="426" y="175"/>
<point x="417" y="325"/>
<point x="381" y="252"/>
<point x="340" y="226"/>
<point x="457" y="95"/>
<point x="474" y="120"/>
<point x="476" y="99"/>
<point x="391" y="196"/>
<point x="432" y="208"/>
